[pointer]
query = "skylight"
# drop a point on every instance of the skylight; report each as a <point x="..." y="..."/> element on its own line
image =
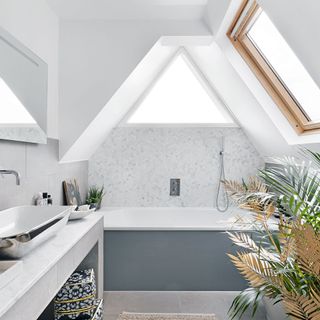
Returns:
<point x="180" y="96"/>
<point x="276" y="66"/>
<point x="12" y="110"/>
<point x="286" y="64"/>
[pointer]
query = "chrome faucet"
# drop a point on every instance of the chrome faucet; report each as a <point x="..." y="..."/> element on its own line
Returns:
<point x="15" y="173"/>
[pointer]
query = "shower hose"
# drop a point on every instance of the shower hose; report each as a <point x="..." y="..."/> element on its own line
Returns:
<point x="221" y="190"/>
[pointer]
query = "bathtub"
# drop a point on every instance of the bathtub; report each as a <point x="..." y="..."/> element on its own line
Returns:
<point x="168" y="218"/>
<point x="154" y="249"/>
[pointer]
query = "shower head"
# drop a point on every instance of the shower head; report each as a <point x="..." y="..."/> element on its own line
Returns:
<point x="222" y="146"/>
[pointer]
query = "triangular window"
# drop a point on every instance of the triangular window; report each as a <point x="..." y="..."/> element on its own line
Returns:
<point x="180" y="95"/>
<point x="12" y="111"/>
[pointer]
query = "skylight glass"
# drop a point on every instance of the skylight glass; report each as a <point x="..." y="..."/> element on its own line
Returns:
<point x="12" y="110"/>
<point x="178" y="97"/>
<point x="290" y="71"/>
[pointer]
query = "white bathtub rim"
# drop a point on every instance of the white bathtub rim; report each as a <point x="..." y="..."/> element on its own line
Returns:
<point x="110" y="225"/>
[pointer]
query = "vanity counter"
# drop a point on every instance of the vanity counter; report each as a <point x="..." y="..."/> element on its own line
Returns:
<point x="46" y="268"/>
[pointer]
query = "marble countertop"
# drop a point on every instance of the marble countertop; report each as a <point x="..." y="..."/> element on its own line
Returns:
<point x="43" y="259"/>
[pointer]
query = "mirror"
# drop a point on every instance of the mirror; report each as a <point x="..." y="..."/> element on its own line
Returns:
<point x="23" y="92"/>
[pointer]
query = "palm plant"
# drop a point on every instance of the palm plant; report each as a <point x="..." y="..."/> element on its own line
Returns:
<point x="283" y="265"/>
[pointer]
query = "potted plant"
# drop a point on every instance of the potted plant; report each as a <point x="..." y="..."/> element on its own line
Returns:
<point x="95" y="196"/>
<point x="282" y="267"/>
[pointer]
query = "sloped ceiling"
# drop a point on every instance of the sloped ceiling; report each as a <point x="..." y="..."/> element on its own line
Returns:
<point x="129" y="9"/>
<point x="258" y="126"/>
<point x="221" y="76"/>
<point x="96" y="58"/>
<point x="119" y="104"/>
<point x="105" y="65"/>
<point x="214" y="14"/>
<point x="97" y="54"/>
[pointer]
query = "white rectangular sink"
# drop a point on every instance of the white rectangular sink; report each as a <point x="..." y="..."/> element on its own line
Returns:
<point x="8" y="271"/>
<point x="23" y="228"/>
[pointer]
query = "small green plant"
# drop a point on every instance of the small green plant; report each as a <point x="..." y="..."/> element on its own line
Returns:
<point x="94" y="196"/>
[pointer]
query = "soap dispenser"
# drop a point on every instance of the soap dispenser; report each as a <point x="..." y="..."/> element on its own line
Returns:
<point x="44" y="198"/>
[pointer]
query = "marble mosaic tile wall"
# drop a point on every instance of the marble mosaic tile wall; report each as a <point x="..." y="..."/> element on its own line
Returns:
<point x="136" y="164"/>
<point x="40" y="171"/>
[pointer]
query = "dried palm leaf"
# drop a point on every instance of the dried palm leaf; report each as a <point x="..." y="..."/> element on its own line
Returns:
<point x="302" y="307"/>
<point x="233" y="186"/>
<point x="244" y="240"/>
<point x="256" y="271"/>
<point x="292" y="272"/>
<point x="286" y="239"/>
<point x="307" y="247"/>
<point x="256" y="185"/>
<point x="253" y="196"/>
<point x="288" y="247"/>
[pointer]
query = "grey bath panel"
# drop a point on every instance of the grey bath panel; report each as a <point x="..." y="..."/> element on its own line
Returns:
<point x="169" y="260"/>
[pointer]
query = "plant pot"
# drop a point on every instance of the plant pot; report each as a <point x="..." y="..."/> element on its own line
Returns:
<point x="274" y="311"/>
<point x="96" y="205"/>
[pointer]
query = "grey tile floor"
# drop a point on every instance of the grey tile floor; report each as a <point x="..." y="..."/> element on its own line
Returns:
<point x="171" y="301"/>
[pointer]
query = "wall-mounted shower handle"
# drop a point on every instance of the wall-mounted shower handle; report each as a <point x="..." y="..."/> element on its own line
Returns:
<point x="174" y="187"/>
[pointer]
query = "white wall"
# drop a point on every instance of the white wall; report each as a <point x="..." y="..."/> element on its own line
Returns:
<point x="136" y="164"/>
<point x="40" y="172"/>
<point x="214" y="14"/>
<point x="96" y="57"/>
<point x="120" y="103"/>
<point x="249" y="114"/>
<point x="34" y="24"/>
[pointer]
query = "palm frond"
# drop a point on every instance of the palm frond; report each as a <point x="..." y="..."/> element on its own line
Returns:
<point x="250" y="297"/>
<point x="296" y="184"/>
<point x="244" y="240"/>
<point x="307" y="246"/>
<point x="286" y="264"/>
<point x="314" y="157"/>
<point x="257" y="185"/>
<point x="256" y="271"/>
<point x="253" y="195"/>
<point x="302" y="307"/>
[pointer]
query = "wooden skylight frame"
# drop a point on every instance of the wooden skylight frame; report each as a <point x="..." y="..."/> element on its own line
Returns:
<point x="238" y="34"/>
